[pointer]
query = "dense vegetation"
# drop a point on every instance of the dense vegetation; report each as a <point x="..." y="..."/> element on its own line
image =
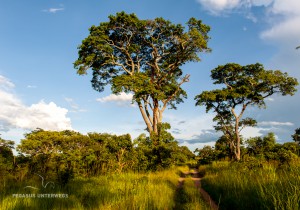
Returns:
<point x="66" y="154"/>
<point x="254" y="149"/>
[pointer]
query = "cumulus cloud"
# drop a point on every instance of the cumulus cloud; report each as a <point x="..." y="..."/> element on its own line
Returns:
<point x="122" y="99"/>
<point x="15" y="114"/>
<point x="283" y="17"/>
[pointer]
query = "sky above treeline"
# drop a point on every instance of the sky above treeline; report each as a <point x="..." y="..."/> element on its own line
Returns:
<point x="39" y="87"/>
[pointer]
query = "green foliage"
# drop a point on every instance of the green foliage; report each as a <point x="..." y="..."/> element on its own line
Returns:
<point x="222" y="147"/>
<point x="266" y="148"/>
<point x="6" y="158"/>
<point x="64" y="155"/>
<point x="206" y="155"/>
<point x="143" y="57"/>
<point x="160" y="150"/>
<point x="296" y="136"/>
<point x="244" y="86"/>
<point x="67" y="153"/>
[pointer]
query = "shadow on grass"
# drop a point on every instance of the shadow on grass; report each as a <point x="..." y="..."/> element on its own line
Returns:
<point x="181" y="198"/>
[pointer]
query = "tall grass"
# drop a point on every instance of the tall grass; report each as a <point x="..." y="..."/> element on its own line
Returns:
<point x="116" y="191"/>
<point x="261" y="186"/>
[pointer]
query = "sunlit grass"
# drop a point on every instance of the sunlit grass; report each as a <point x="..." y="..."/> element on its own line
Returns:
<point x="116" y="191"/>
<point x="236" y="186"/>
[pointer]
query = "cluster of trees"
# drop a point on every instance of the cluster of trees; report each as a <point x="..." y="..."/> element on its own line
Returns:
<point x="261" y="148"/>
<point x="64" y="154"/>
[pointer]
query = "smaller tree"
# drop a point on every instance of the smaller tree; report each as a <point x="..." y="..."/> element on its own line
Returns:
<point x="6" y="157"/>
<point x="206" y="155"/>
<point x="245" y="86"/>
<point x="264" y="147"/>
<point x="296" y="136"/>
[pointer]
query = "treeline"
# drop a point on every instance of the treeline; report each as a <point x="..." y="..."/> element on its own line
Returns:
<point x="65" y="154"/>
<point x="253" y="149"/>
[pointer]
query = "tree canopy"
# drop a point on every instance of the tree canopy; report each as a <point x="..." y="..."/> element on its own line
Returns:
<point x="245" y="86"/>
<point x="143" y="57"/>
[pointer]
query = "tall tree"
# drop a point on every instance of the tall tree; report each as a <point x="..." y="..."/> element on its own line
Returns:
<point x="143" y="57"/>
<point x="245" y="86"/>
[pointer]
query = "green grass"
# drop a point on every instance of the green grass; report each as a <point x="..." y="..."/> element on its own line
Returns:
<point x="245" y="186"/>
<point x="117" y="191"/>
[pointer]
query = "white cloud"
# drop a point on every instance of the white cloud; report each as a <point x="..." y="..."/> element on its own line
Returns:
<point x="249" y="132"/>
<point x="282" y="15"/>
<point x="5" y="83"/>
<point x="53" y="10"/>
<point x="272" y="123"/>
<point x="121" y="99"/>
<point x="217" y="6"/>
<point x="288" y="7"/>
<point x="15" y="114"/>
<point x="284" y="33"/>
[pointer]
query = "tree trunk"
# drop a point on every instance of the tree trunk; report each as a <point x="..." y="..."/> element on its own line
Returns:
<point x="144" y="115"/>
<point x="237" y="151"/>
<point x="155" y="116"/>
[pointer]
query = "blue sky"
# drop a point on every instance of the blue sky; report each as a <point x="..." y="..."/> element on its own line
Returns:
<point x="40" y="88"/>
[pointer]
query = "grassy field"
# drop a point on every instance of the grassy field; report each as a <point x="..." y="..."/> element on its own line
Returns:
<point x="247" y="186"/>
<point x="118" y="191"/>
